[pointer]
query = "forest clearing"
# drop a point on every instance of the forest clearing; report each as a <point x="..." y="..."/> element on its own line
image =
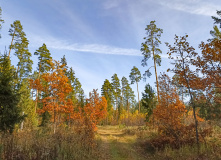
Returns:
<point x="128" y="143"/>
<point x="45" y="113"/>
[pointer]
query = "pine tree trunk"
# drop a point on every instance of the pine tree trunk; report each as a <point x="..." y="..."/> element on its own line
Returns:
<point x="155" y="67"/>
<point x="138" y="96"/>
<point x="36" y="101"/>
<point x="11" y="45"/>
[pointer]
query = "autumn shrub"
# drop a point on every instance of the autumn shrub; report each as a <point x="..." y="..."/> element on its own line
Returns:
<point x="170" y="116"/>
<point x="95" y="109"/>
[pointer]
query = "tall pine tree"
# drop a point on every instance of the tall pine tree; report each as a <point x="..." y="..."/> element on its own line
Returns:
<point x="151" y="48"/>
<point x="127" y="93"/>
<point x="135" y="76"/>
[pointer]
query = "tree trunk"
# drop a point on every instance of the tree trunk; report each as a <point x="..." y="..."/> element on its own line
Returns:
<point x="54" y="121"/>
<point x="138" y="96"/>
<point x="194" y="109"/>
<point x="11" y="45"/>
<point x="36" y="101"/>
<point x="69" y="121"/>
<point x="155" y="67"/>
<point x="22" y="123"/>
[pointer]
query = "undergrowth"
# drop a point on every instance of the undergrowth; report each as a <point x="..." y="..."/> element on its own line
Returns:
<point x="147" y="138"/>
<point x="74" y="144"/>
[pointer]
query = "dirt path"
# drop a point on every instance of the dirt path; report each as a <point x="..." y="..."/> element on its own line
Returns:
<point x="116" y="145"/>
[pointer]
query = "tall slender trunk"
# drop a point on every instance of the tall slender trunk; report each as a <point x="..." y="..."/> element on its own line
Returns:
<point x="69" y="121"/>
<point x="194" y="114"/>
<point x="118" y="109"/>
<point x="54" y="121"/>
<point x="128" y="107"/>
<point x="138" y="96"/>
<point x="193" y="106"/>
<point x="22" y="123"/>
<point x="11" y="45"/>
<point x="158" y="94"/>
<point x="36" y="101"/>
<point x="155" y="67"/>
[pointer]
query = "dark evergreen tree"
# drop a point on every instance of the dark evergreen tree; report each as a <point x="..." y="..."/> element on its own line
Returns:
<point x="148" y="101"/>
<point x="10" y="113"/>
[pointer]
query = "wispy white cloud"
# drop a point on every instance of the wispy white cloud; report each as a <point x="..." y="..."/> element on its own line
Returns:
<point x="89" y="48"/>
<point x="200" y="7"/>
<point x="97" y="48"/>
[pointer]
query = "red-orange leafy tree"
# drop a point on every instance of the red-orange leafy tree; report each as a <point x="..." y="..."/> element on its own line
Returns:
<point x="209" y="65"/>
<point x="183" y="56"/>
<point x="95" y="109"/>
<point x="56" y="88"/>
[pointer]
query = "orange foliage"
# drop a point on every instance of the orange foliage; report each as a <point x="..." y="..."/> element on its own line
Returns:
<point x="170" y="117"/>
<point x="95" y="110"/>
<point x="56" y="88"/>
<point x="169" y="113"/>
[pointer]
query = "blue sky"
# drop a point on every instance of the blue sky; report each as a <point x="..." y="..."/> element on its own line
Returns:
<point x="103" y="37"/>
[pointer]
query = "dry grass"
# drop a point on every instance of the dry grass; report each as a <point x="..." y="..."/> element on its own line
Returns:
<point x="41" y="144"/>
<point x="111" y="142"/>
<point x="209" y="150"/>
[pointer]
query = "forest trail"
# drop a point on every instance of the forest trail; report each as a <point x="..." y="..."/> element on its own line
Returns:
<point x="116" y="145"/>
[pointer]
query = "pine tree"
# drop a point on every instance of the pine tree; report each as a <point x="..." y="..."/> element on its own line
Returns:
<point x="151" y="46"/>
<point x="107" y="92"/>
<point x="77" y="92"/>
<point x="127" y="93"/>
<point x="44" y="59"/>
<point x="1" y="20"/>
<point x="116" y="91"/>
<point x="216" y="19"/>
<point x="135" y="76"/>
<point x="64" y="65"/>
<point x="10" y="113"/>
<point x="20" y="43"/>
<point x="148" y="101"/>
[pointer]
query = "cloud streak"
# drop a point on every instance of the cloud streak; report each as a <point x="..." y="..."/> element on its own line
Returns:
<point x="199" y="7"/>
<point x="88" y="48"/>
